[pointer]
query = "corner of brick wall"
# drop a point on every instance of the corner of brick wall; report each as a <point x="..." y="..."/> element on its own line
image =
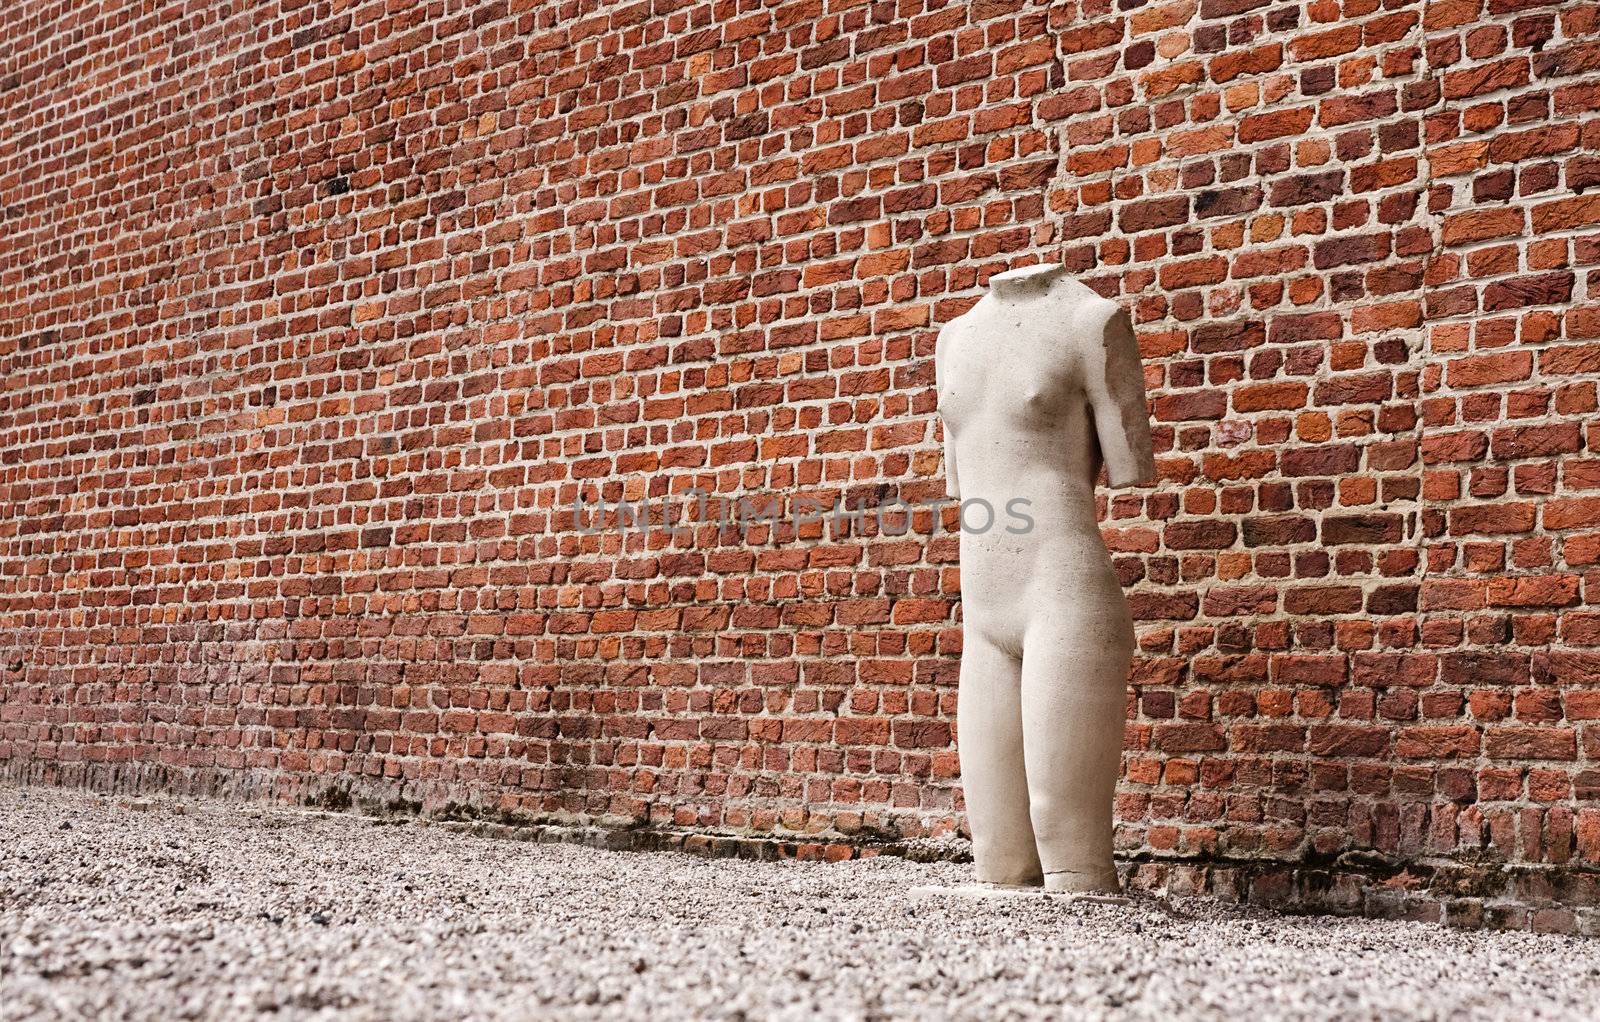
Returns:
<point x="318" y="317"/>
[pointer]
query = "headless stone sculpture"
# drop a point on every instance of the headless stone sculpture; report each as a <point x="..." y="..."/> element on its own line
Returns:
<point x="1039" y="383"/>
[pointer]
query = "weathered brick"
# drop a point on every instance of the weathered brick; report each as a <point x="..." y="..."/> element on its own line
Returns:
<point x="1352" y="250"/>
<point x="1270" y="396"/>
<point x="1315" y="461"/>
<point x="1231" y="601"/>
<point x="1484" y="668"/>
<point x="1531" y="743"/>
<point x="1572" y="513"/>
<point x="1368" y="528"/>
<point x="1279" y="530"/>
<point x="1534" y="591"/>
<point x="1482" y="224"/>
<point x="1322" y="600"/>
<point x="1200" y="535"/>
<point x="1491" y="519"/>
<point x="1566" y="214"/>
<point x="1355" y="741"/>
<point x="1483" y="370"/>
<point x="1536" y="441"/>
<point x="1440" y="742"/>
<point x="1541" y="289"/>
<point x="1277" y="124"/>
<point x="1202" y="404"/>
<point x="1153" y="214"/>
<point x="1308" y="188"/>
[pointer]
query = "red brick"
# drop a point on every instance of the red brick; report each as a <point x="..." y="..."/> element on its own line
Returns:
<point x="1572" y="513"/>
<point x="1206" y="404"/>
<point x="1270" y="396"/>
<point x="1172" y="738"/>
<point x="1570" y="359"/>
<point x="1349" y="740"/>
<point x="1531" y="743"/>
<point x="1484" y="370"/>
<point x="1536" y="591"/>
<point x="1228" y="601"/>
<point x="1153" y="214"/>
<point x="1567" y="214"/>
<point x="1481" y="225"/>
<point x="1540" y="289"/>
<point x="1443" y="742"/>
<point x="1475" y="668"/>
<point x="1203" y="535"/>
<point x="1492" y="519"/>
<point x="1277" y="124"/>
<point x="1369" y="528"/>
<point x="1536" y="441"/>
<point x="1486" y="78"/>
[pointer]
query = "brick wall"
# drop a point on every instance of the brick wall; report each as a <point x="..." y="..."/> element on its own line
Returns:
<point x="315" y="317"/>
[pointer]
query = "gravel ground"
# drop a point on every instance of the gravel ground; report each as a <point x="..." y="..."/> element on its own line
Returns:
<point x="122" y="908"/>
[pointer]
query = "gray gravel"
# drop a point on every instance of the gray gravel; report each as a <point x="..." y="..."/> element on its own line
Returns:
<point x="113" y="907"/>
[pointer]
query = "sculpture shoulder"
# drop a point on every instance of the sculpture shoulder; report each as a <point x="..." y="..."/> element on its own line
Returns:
<point x="1103" y="332"/>
<point x="1049" y="333"/>
<point x="1093" y="315"/>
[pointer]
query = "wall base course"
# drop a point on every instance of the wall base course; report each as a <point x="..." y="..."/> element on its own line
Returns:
<point x="1488" y="894"/>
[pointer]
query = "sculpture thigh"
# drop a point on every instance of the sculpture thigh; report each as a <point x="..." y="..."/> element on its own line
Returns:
<point x="994" y="774"/>
<point x="1040" y="745"/>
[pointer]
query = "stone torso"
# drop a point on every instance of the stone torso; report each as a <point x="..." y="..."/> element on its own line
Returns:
<point x="1029" y="379"/>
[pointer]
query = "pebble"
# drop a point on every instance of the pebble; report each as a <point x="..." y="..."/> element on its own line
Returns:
<point x="159" y="910"/>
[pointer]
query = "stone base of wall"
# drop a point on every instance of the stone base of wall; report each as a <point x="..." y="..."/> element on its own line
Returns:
<point x="1468" y="894"/>
<point x="1489" y="895"/>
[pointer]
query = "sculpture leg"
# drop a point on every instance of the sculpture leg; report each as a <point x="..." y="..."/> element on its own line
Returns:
<point x="1074" y="703"/>
<point x="993" y="776"/>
